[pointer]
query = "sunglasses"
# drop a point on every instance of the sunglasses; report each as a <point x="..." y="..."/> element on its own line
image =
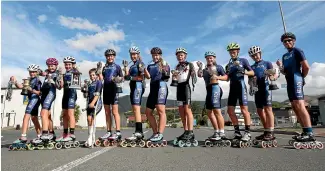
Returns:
<point x="287" y="40"/>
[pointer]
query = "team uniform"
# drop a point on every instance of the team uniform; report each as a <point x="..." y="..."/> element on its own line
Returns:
<point x="183" y="94"/>
<point x="262" y="96"/>
<point x="69" y="94"/>
<point x="137" y="88"/>
<point x="110" y="95"/>
<point x="94" y="89"/>
<point x="49" y="91"/>
<point x="34" y="99"/>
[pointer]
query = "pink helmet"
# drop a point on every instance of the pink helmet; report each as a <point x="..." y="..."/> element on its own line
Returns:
<point x="52" y="61"/>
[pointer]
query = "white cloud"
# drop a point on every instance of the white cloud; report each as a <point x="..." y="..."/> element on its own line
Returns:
<point x="21" y="16"/>
<point x="42" y="18"/>
<point x="78" y="23"/>
<point x="141" y="22"/>
<point x="126" y="11"/>
<point x="50" y="8"/>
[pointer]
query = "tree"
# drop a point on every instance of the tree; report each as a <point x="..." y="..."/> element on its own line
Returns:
<point x="277" y="105"/>
<point x="195" y="106"/>
<point x="169" y="116"/>
<point x="76" y="113"/>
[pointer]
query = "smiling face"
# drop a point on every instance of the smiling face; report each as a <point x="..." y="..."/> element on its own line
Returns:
<point x="51" y="68"/>
<point x="155" y="57"/>
<point x="134" y="56"/>
<point x="92" y="75"/>
<point x="210" y="60"/>
<point x="256" y="57"/>
<point x="32" y="74"/>
<point x="234" y="53"/>
<point x="181" y="56"/>
<point x="110" y="58"/>
<point x="68" y="66"/>
<point x="289" y="43"/>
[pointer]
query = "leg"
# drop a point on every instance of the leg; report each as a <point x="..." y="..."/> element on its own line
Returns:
<point x="261" y="114"/>
<point x="45" y="121"/>
<point x="36" y="124"/>
<point x="162" y="117"/>
<point x="25" y="123"/>
<point x="117" y="117"/>
<point x="72" y="120"/>
<point x="213" y="120"/>
<point x="108" y="117"/>
<point x="183" y="117"/>
<point x="220" y="120"/>
<point x="152" y="120"/>
<point x="189" y="116"/>
<point x="299" y="106"/>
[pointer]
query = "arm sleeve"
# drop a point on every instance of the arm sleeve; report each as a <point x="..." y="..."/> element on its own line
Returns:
<point x="246" y="65"/>
<point x="227" y="69"/>
<point x="221" y="71"/>
<point x="166" y="73"/>
<point x="38" y="86"/>
<point x="119" y="71"/>
<point x="269" y="65"/>
<point x="99" y="87"/>
<point x="300" y="55"/>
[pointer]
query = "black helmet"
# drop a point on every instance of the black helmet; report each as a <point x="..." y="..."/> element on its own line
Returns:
<point x="287" y="35"/>
<point x="156" y="50"/>
<point x="110" y="52"/>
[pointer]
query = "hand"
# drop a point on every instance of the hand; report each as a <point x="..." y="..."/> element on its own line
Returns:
<point x="13" y="79"/>
<point x="29" y="89"/>
<point x="241" y="70"/>
<point x="91" y="105"/>
<point x="279" y="63"/>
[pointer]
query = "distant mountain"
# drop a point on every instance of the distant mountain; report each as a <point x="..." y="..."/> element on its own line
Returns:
<point x="309" y="100"/>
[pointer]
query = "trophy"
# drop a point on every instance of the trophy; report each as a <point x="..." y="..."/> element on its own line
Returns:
<point x="253" y="88"/>
<point x="212" y="70"/>
<point x="240" y="70"/>
<point x="174" y="78"/>
<point x="273" y="72"/>
<point x="99" y="68"/>
<point x="125" y="64"/>
<point x="118" y="82"/>
<point x="26" y="83"/>
<point x="75" y="79"/>
<point x="9" y="90"/>
<point x="200" y="65"/>
<point x="141" y="69"/>
<point x="84" y="88"/>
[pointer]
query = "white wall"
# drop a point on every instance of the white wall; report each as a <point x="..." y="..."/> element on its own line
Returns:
<point x="16" y="105"/>
<point x="321" y="104"/>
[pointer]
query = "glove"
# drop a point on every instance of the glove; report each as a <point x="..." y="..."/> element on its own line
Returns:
<point x="241" y="70"/>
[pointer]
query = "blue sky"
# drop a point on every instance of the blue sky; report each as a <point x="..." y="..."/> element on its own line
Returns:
<point x="33" y="31"/>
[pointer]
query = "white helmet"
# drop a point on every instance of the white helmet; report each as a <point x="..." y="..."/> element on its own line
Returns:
<point x="134" y="49"/>
<point x="33" y="67"/>
<point x="69" y="59"/>
<point x="254" y="50"/>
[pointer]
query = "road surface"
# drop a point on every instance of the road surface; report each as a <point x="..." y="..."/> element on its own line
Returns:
<point x="163" y="158"/>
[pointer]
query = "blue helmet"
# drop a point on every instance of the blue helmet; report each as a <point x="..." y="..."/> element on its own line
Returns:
<point x="209" y="53"/>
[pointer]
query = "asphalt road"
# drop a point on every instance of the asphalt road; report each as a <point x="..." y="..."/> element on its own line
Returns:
<point x="163" y="158"/>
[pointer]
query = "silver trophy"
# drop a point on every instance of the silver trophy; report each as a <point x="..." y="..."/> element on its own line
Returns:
<point x="99" y="68"/>
<point x="268" y="72"/>
<point x="212" y="70"/>
<point x="253" y="88"/>
<point x="118" y="82"/>
<point x="125" y="64"/>
<point x="75" y="81"/>
<point x="200" y="65"/>
<point x="9" y="90"/>
<point x="174" y="77"/>
<point x="26" y="85"/>
<point x="84" y="88"/>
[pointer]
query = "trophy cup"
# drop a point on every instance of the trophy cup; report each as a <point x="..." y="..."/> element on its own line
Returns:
<point x="252" y="81"/>
<point x="174" y="78"/>
<point x="84" y="88"/>
<point x="141" y="69"/>
<point x="9" y="90"/>
<point x="200" y="65"/>
<point x="118" y="82"/>
<point x="273" y="72"/>
<point x="75" y="79"/>
<point x="99" y="68"/>
<point x="125" y="64"/>
<point x="212" y="70"/>
<point x="26" y="83"/>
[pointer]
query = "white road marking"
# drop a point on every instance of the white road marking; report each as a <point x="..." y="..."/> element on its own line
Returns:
<point x="84" y="159"/>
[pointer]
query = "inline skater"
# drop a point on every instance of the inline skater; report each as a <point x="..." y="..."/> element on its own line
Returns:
<point x="137" y="87"/>
<point x="295" y="67"/>
<point x="94" y="104"/>
<point x="236" y="69"/>
<point x="159" y="73"/>
<point x="185" y="70"/>
<point x="111" y="73"/>
<point x="68" y="101"/>
<point x="48" y="90"/>
<point x="263" y="97"/>
<point x="32" y="106"/>
<point x="211" y="74"/>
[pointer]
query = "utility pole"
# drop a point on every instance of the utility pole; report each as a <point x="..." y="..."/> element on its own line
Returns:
<point x="282" y="16"/>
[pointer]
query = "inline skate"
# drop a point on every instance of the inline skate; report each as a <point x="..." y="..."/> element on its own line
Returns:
<point x="218" y="139"/>
<point x="175" y="142"/>
<point x="258" y="139"/>
<point x="20" y="144"/>
<point x="67" y="142"/>
<point x="113" y="140"/>
<point x="134" y="140"/>
<point x="294" y="138"/>
<point x="267" y="141"/>
<point x="156" y="140"/>
<point x="307" y="141"/>
<point x="242" y="142"/>
<point x="100" y="140"/>
<point x="187" y="140"/>
<point x="45" y="141"/>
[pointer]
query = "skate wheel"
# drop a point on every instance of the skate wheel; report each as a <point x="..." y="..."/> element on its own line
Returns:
<point x="164" y="143"/>
<point x="312" y="145"/>
<point x="58" y="146"/>
<point x="304" y="146"/>
<point x="123" y="143"/>
<point x="113" y="143"/>
<point x="228" y="143"/>
<point x="195" y="143"/>
<point x="106" y="143"/>
<point x="41" y="147"/>
<point x="319" y="145"/>
<point x="11" y="148"/>
<point x="275" y="143"/>
<point x="297" y="145"/>
<point x="133" y="144"/>
<point x="255" y="142"/>
<point x="291" y="142"/>
<point x="148" y="144"/>
<point x="152" y="145"/>
<point x="269" y="144"/>
<point x="97" y="143"/>
<point x="188" y="143"/>
<point x="76" y="144"/>
<point x="175" y="142"/>
<point x="18" y="148"/>
<point x="218" y="144"/>
<point x="157" y="145"/>
<point x="181" y="143"/>
<point x="50" y="146"/>
<point x="142" y="144"/>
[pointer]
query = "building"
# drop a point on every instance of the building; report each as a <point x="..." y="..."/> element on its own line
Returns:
<point x="238" y="114"/>
<point x="321" y="104"/>
<point x="12" y="112"/>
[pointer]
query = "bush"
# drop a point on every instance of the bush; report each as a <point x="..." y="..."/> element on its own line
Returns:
<point x="174" y="125"/>
<point x="76" y="114"/>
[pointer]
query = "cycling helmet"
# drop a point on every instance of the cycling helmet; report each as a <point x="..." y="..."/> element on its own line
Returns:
<point x="52" y="61"/>
<point x="254" y="50"/>
<point x="33" y="67"/>
<point x="181" y="50"/>
<point x="233" y="46"/>
<point x="110" y="52"/>
<point x="156" y="50"/>
<point x="134" y="49"/>
<point x="209" y="53"/>
<point x="287" y="35"/>
<point x="69" y="59"/>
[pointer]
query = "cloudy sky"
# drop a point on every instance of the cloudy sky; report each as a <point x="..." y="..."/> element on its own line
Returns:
<point x="34" y="31"/>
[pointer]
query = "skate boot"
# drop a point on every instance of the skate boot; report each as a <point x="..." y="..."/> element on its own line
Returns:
<point x="218" y="139"/>
<point x="245" y="141"/>
<point x="45" y="141"/>
<point x="307" y="141"/>
<point x="187" y="140"/>
<point x="294" y="138"/>
<point x="259" y="138"/>
<point x="67" y="142"/>
<point x="175" y="142"/>
<point x="137" y="138"/>
<point x="19" y="144"/>
<point x="156" y="140"/>
<point x="113" y="140"/>
<point x="235" y="140"/>
<point x="269" y="141"/>
<point x="100" y="140"/>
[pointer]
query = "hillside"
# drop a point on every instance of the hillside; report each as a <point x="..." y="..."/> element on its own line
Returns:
<point x="309" y="100"/>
